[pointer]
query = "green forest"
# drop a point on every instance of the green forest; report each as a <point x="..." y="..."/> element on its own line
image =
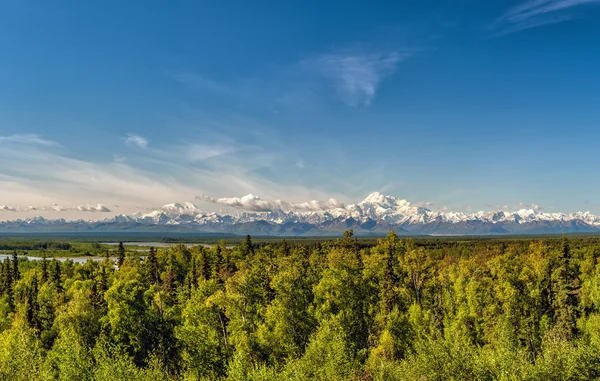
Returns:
<point x="340" y="309"/>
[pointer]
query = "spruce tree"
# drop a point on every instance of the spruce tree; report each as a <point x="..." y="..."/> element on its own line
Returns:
<point x="56" y="275"/>
<point x="217" y="264"/>
<point x="204" y="266"/>
<point x="389" y="296"/>
<point x="16" y="273"/>
<point x="285" y="249"/>
<point x="566" y="301"/>
<point x="121" y="254"/>
<point x="103" y="282"/>
<point x="7" y="276"/>
<point x="193" y="273"/>
<point x="44" y="268"/>
<point x="247" y="246"/>
<point x="33" y="307"/>
<point x="94" y="295"/>
<point x="153" y="266"/>
<point x="2" y="280"/>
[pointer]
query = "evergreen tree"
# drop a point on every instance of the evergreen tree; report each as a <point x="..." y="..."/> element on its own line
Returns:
<point x="56" y="274"/>
<point x="121" y="254"/>
<point x="193" y="274"/>
<point x="247" y="247"/>
<point x="285" y="249"/>
<point x="203" y="264"/>
<point x="94" y="294"/>
<point x="103" y="282"/>
<point x="389" y="282"/>
<point x="217" y="264"/>
<point x="44" y="268"/>
<point x="8" y="278"/>
<point x="3" y="280"/>
<point x="32" y="304"/>
<point x="15" y="260"/>
<point x="152" y="268"/>
<point x="566" y="285"/>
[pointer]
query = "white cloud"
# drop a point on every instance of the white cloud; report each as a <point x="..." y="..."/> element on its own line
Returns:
<point x="27" y="139"/>
<point x="136" y="140"/>
<point x="91" y="208"/>
<point x="31" y="175"/>
<point x="6" y="208"/>
<point x="536" y="13"/>
<point x="248" y="202"/>
<point x="201" y="152"/>
<point x="357" y="75"/>
<point x="254" y="203"/>
<point x="535" y="8"/>
<point x="523" y="205"/>
<point x="315" y="205"/>
<point x="56" y="208"/>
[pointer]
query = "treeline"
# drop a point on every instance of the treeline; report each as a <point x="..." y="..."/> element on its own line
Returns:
<point x="336" y="310"/>
<point x="35" y="245"/>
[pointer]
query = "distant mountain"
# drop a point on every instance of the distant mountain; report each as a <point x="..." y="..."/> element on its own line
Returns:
<point x="375" y="215"/>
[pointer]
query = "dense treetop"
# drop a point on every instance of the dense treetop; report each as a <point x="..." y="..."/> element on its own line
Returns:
<point x="344" y="309"/>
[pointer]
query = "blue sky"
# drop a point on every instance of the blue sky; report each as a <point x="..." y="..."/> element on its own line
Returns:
<point x="466" y="105"/>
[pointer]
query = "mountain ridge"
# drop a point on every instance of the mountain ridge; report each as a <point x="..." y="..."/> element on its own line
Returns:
<point x="376" y="214"/>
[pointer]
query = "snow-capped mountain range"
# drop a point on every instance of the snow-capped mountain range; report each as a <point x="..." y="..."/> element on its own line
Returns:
<point x="376" y="214"/>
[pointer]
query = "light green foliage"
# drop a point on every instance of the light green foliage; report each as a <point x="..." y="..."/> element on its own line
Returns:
<point x="203" y="334"/>
<point x="347" y="309"/>
<point x="79" y="316"/>
<point x="327" y="357"/>
<point x="69" y="359"/>
<point x="128" y="317"/>
<point x="20" y="353"/>
<point x="288" y="323"/>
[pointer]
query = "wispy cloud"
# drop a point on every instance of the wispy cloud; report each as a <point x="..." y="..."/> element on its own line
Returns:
<point x="200" y="152"/>
<point x="536" y="13"/>
<point x="357" y="75"/>
<point x="34" y="175"/>
<point x="136" y="140"/>
<point x="99" y="208"/>
<point x="27" y="139"/>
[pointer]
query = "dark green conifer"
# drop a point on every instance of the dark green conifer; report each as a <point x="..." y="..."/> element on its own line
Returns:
<point x="121" y="254"/>
<point x="56" y="275"/>
<point x="44" y="268"/>
<point x="204" y="265"/>
<point x="566" y="299"/>
<point x="16" y="273"/>
<point x="7" y="277"/>
<point x="217" y="264"/>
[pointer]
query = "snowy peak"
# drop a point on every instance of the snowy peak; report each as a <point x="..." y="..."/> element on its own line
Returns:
<point x="380" y="200"/>
<point x="376" y="213"/>
<point x="376" y="198"/>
